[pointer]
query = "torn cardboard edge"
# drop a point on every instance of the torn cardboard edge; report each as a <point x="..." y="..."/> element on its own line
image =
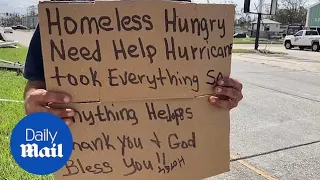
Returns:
<point x="65" y="105"/>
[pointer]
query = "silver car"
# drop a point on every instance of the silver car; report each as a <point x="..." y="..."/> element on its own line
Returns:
<point x="8" y="30"/>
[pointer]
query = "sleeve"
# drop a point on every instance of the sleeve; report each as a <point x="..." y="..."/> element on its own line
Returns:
<point x="33" y="69"/>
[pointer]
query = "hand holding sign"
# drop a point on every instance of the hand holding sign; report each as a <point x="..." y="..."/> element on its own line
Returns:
<point x="38" y="100"/>
<point x="229" y="88"/>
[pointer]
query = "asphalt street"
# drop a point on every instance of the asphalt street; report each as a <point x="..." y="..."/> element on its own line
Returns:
<point x="276" y="128"/>
<point x="23" y="37"/>
<point x="275" y="131"/>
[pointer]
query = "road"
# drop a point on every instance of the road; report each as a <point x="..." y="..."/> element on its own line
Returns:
<point x="275" y="131"/>
<point x="22" y="37"/>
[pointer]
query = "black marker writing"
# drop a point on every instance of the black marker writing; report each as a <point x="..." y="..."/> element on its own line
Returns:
<point x="106" y="113"/>
<point x="96" y="24"/>
<point x="129" y="23"/>
<point x="166" y="168"/>
<point x="168" y="113"/>
<point x="214" y="79"/>
<point x="72" y="80"/>
<point x="53" y="23"/>
<point x="175" y="143"/>
<point x="183" y="52"/>
<point x="199" y="26"/>
<point x="98" y="144"/>
<point x="129" y="142"/>
<point x="163" y="158"/>
<point x="134" y="50"/>
<point x="76" y="167"/>
<point x="137" y="166"/>
<point x="74" y="53"/>
<point x="160" y="78"/>
<point x="156" y="140"/>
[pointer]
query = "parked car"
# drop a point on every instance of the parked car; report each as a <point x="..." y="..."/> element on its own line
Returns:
<point x="8" y="30"/>
<point x="19" y="27"/>
<point x="240" y="35"/>
<point x="293" y="29"/>
<point x="303" y="39"/>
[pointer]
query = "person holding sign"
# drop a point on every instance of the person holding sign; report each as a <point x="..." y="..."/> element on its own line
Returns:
<point x="226" y="94"/>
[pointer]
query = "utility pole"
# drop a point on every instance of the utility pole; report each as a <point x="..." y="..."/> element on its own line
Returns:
<point x="272" y="11"/>
<point x="256" y="44"/>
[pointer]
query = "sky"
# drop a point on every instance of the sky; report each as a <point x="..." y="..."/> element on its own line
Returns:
<point x="20" y="6"/>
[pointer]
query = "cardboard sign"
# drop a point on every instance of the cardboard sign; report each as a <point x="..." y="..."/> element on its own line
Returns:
<point x="140" y="74"/>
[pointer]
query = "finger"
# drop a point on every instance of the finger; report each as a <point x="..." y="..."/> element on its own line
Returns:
<point x="227" y="104"/>
<point x="229" y="92"/>
<point x="229" y="82"/>
<point x="45" y="97"/>
<point x="68" y="121"/>
<point x="55" y="97"/>
<point x="62" y="113"/>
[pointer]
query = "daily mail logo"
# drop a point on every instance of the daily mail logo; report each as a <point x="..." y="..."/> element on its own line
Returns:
<point x="33" y="150"/>
<point x="41" y="143"/>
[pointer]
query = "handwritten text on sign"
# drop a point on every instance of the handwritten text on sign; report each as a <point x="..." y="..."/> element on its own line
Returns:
<point x="167" y="139"/>
<point x="168" y="52"/>
<point x="139" y="74"/>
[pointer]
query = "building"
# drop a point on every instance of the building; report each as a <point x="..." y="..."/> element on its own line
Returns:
<point x="268" y="28"/>
<point x="313" y="17"/>
<point x="30" y="21"/>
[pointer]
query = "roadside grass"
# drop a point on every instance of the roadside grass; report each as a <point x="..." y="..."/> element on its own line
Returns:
<point x="12" y="85"/>
<point x="252" y="41"/>
<point x="10" y="114"/>
<point x="12" y="88"/>
<point x="14" y="54"/>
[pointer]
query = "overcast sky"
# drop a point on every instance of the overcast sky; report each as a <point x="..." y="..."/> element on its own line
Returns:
<point x="20" y="6"/>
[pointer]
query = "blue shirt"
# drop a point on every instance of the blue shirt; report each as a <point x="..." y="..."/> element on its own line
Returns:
<point x="33" y="69"/>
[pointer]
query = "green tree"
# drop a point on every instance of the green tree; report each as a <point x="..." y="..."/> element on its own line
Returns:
<point x="291" y="11"/>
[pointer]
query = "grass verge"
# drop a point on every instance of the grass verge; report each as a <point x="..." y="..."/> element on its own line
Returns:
<point x="14" y="54"/>
<point x="255" y="51"/>
<point x="252" y="41"/>
<point x="10" y="114"/>
<point x="12" y="87"/>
